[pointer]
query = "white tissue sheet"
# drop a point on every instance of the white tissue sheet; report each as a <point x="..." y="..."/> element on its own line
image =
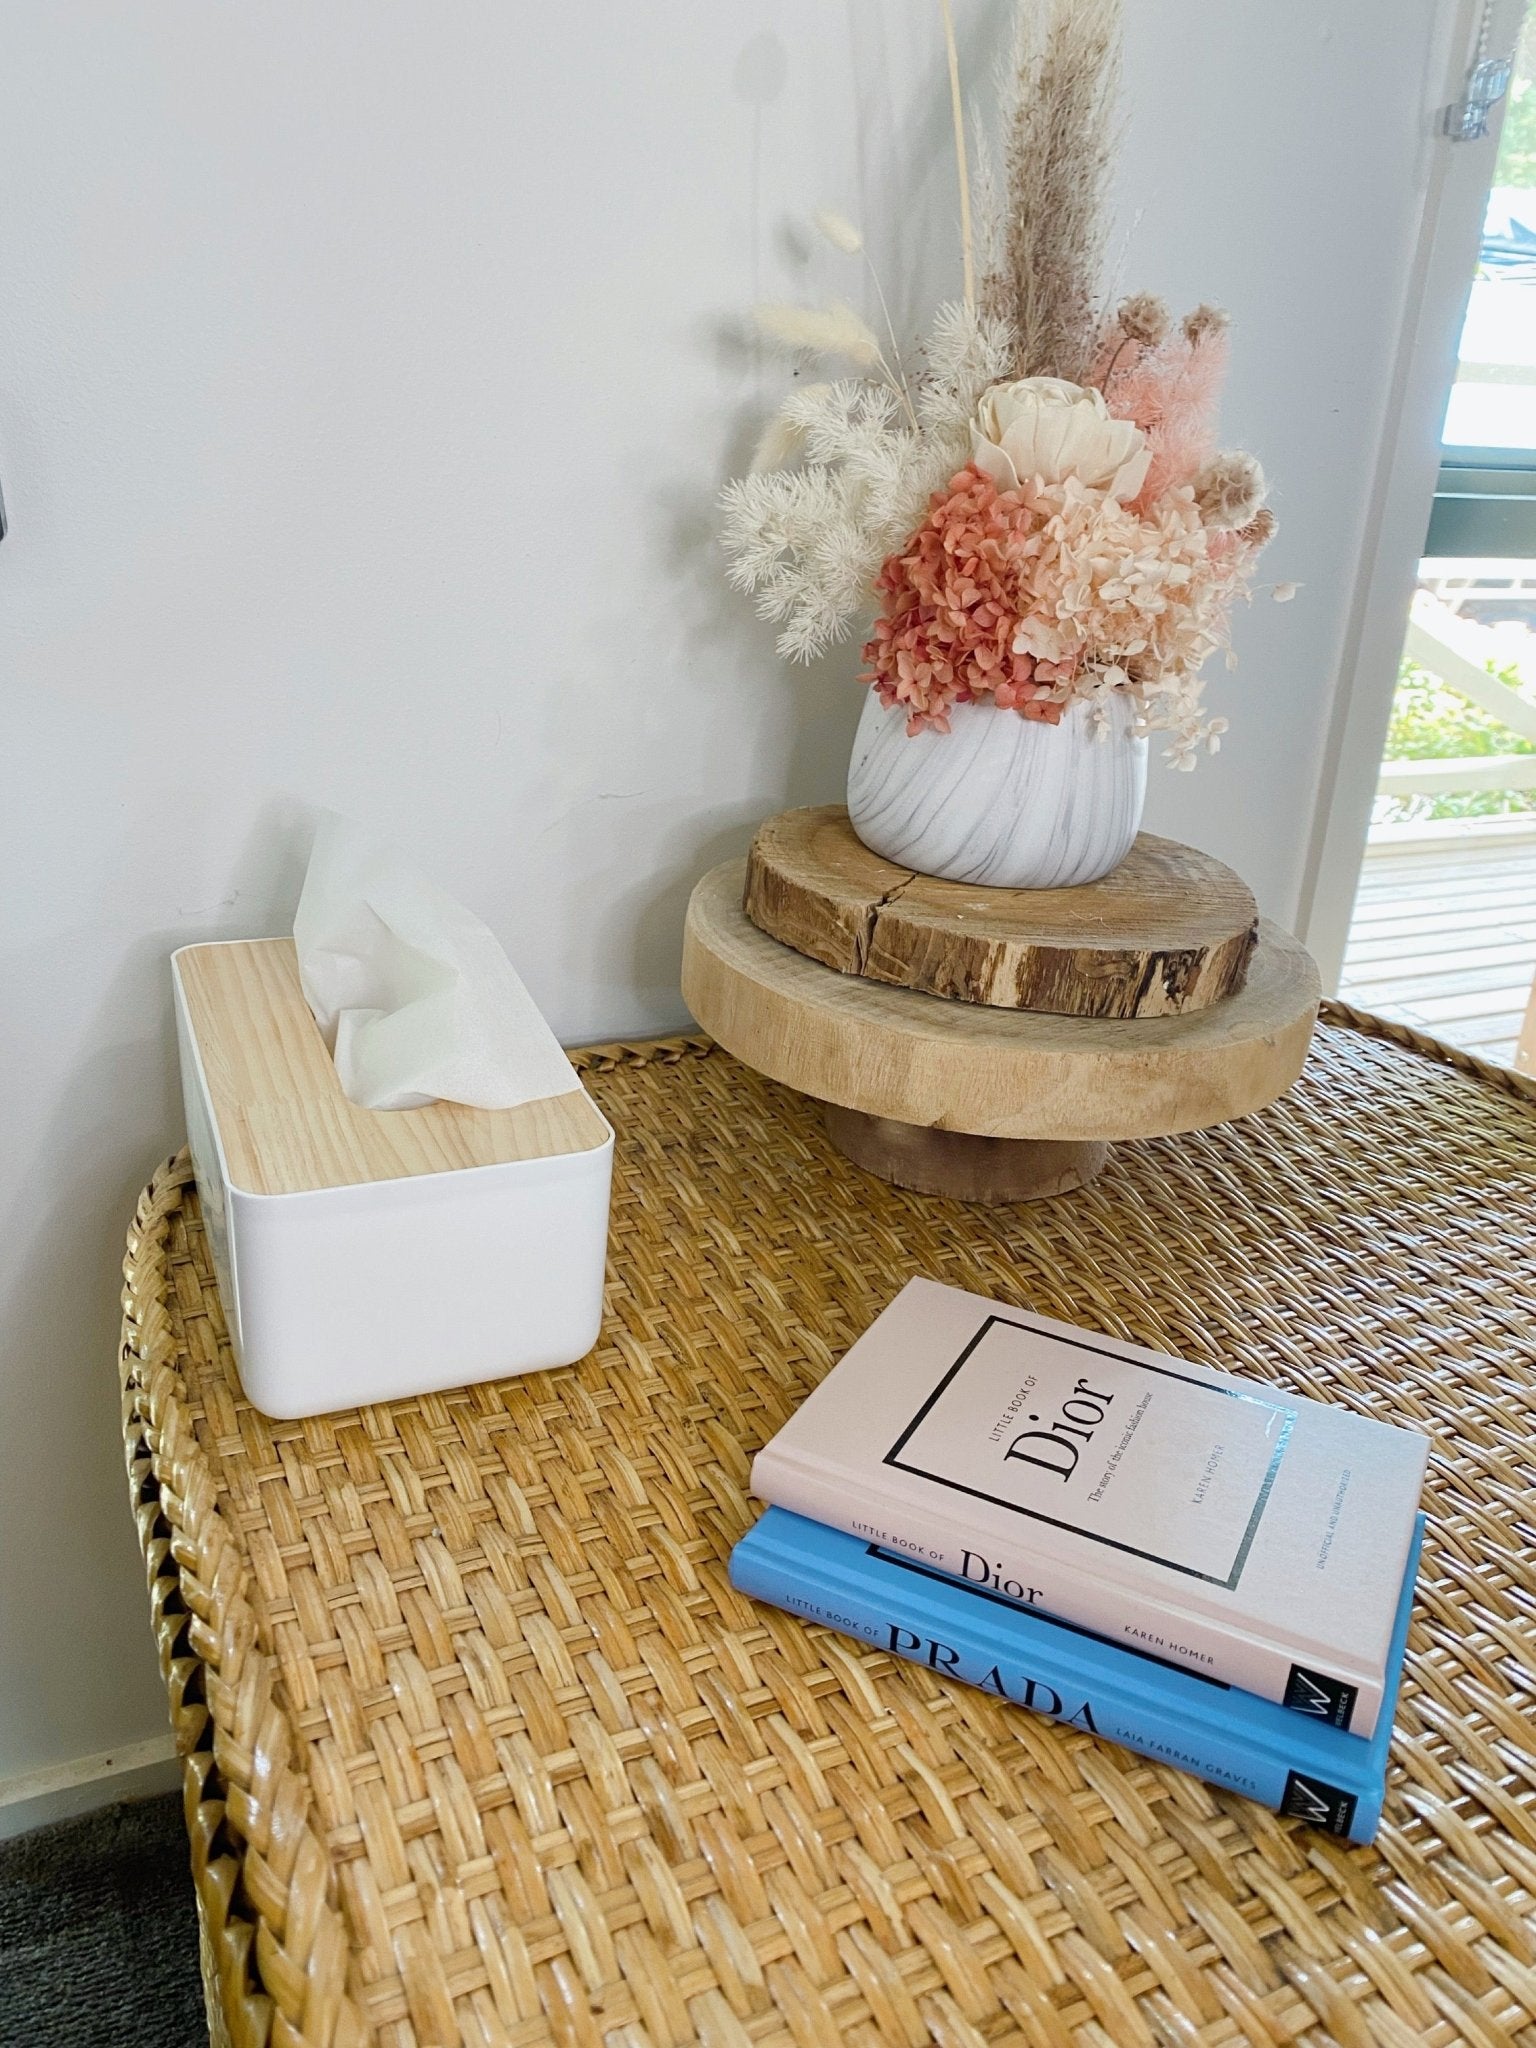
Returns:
<point x="414" y="996"/>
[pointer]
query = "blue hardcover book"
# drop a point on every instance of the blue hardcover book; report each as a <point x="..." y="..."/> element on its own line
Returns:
<point x="1286" y="1760"/>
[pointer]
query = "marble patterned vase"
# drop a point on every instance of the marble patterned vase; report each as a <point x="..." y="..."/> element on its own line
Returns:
<point x="999" y="799"/>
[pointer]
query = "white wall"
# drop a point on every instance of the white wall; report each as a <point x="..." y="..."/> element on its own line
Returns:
<point x="1277" y="157"/>
<point x="366" y="373"/>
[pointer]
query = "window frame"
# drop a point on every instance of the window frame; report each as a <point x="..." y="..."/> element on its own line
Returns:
<point x="1484" y="506"/>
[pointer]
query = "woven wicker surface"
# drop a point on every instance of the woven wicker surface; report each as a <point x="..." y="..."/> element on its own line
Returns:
<point x="482" y="1746"/>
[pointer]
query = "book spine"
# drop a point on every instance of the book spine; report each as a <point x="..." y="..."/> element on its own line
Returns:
<point x="1125" y="1614"/>
<point x="952" y="1644"/>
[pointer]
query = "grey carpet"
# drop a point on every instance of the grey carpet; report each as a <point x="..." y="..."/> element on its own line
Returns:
<point x="98" y="1933"/>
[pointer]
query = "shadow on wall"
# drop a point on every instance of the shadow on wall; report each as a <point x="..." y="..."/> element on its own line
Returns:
<point x="906" y="202"/>
<point x="805" y="731"/>
<point x="63" y="1246"/>
<point x="67" y="1488"/>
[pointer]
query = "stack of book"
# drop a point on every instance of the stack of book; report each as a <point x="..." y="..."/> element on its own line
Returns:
<point x="1213" y="1573"/>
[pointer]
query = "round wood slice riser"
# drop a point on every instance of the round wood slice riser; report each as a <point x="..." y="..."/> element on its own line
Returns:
<point x="892" y="1052"/>
<point x="1169" y="932"/>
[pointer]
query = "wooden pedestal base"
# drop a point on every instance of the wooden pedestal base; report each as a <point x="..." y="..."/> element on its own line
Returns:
<point x="907" y="1076"/>
<point x="956" y="1163"/>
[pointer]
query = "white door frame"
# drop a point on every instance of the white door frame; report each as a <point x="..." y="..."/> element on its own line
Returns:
<point x="1397" y="514"/>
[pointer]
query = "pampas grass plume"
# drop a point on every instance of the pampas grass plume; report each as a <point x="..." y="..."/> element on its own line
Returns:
<point x="1058" y="136"/>
<point x="839" y="230"/>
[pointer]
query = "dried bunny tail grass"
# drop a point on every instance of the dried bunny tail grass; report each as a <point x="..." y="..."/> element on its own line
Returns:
<point x="839" y="230"/>
<point x="1059" y="138"/>
<point x="783" y="439"/>
<point x="834" y="330"/>
<point x="777" y="446"/>
<point x="837" y="330"/>
<point x="1229" y="491"/>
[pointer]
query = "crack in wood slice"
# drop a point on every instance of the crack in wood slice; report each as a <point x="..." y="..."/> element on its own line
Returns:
<point x="1171" y="931"/>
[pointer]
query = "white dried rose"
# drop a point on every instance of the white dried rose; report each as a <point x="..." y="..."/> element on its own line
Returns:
<point x="1046" y="428"/>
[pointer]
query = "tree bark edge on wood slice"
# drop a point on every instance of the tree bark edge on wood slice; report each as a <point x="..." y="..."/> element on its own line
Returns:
<point x="1169" y="932"/>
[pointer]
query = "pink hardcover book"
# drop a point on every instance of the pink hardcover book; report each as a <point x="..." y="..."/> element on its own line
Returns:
<point x="1218" y="1523"/>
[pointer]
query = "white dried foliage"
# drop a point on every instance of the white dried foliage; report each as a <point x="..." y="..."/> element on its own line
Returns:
<point x="839" y="230"/>
<point x="808" y="541"/>
<point x="794" y="540"/>
<point x="833" y="330"/>
<point x="968" y="351"/>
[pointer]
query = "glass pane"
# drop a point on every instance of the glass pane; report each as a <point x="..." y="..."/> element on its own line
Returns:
<point x="1493" y="401"/>
<point x="1443" y="935"/>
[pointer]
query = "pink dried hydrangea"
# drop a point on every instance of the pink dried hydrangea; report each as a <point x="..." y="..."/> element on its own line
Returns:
<point x="1054" y="592"/>
<point x="949" y="609"/>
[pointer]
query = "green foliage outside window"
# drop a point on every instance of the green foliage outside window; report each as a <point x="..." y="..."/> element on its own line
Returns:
<point x="1429" y="721"/>
<point x="1433" y="723"/>
<point x="1517" y="139"/>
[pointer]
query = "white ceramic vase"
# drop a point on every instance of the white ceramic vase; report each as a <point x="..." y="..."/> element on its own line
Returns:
<point x="999" y="799"/>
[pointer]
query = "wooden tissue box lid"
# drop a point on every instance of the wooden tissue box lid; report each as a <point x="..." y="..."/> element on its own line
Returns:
<point x="282" y="1119"/>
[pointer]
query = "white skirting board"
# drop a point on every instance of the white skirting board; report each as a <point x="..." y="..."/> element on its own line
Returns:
<point x="61" y="1791"/>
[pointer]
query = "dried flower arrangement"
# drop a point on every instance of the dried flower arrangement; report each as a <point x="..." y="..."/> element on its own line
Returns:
<point x="1038" y="503"/>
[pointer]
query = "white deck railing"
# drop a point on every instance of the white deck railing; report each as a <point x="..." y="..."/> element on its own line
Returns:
<point x="1458" y="651"/>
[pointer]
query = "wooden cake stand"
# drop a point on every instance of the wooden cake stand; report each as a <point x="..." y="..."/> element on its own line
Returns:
<point x="980" y="1102"/>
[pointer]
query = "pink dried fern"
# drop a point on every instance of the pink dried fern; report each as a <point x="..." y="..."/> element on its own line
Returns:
<point x="1172" y="392"/>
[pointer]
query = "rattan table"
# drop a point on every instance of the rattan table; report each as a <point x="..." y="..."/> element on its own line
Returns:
<point x="481" y="1746"/>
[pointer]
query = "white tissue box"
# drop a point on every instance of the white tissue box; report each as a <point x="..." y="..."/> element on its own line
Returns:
<point x="363" y="1255"/>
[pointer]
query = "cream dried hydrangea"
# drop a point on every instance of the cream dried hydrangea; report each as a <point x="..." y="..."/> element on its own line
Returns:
<point x="1130" y="600"/>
